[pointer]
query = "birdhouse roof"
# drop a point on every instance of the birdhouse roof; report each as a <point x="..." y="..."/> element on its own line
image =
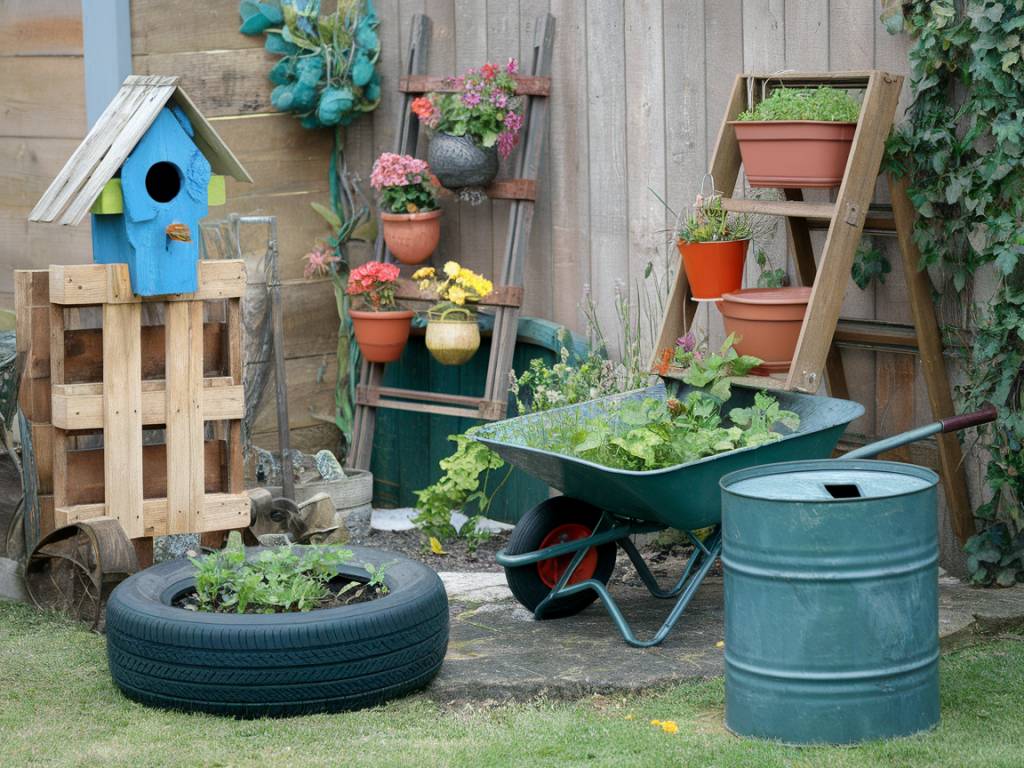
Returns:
<point x="123" y="123"/>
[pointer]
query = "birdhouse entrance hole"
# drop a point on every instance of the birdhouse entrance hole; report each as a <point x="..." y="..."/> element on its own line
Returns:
<point x="163" y="182"/>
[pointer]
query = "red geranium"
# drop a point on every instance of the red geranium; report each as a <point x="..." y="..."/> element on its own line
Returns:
<point x="375" y="282"/>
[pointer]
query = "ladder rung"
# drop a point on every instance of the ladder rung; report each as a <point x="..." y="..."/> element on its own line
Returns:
<point x="501" y="296"/>
<point x="526" y="85"/>
<point x="780" y="208"/>
<point x="874" y="334"/>
<point x="513" y="189"/>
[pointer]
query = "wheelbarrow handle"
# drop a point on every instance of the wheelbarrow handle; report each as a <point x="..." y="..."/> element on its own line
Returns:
<point x="965" y="420"/>
<point x="950" y="424"/>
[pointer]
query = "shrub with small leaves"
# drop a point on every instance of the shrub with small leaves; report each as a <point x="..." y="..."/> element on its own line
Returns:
<point x="822" y="103"/>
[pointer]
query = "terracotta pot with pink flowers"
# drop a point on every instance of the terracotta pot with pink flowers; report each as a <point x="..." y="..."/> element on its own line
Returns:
<point x="472" y="125"/>
<point x="381" y="327"/>
<point x="409" y="214"/>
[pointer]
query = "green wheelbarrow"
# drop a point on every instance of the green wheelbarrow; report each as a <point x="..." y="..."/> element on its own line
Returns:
<point x="562" y="552"/>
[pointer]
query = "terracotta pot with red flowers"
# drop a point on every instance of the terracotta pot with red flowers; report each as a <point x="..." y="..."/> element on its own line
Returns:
<point x="381" y="327"/>
<point x="409" y="214"/>
<point x="472" y="125"/>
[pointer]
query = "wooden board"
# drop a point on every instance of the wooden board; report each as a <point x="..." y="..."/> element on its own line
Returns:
<point x="122" y="416"/>
<point x="43" y="96"/>
<point x="187" y="25"/>
<point x="221" y="511"/>
<point x="185" y="407"/>
<point x="107" y="284"/>
<point x="41" y="28"/>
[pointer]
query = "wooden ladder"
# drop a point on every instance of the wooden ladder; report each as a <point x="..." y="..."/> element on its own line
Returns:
<point x="845" y="219"/>
<point x="507" y="297"/>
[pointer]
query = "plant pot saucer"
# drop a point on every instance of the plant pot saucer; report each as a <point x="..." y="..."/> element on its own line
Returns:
<point x="708" y="301"/>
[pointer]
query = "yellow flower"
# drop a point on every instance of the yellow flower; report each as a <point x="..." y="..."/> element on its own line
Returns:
<point x="480" y="285"/>
<point x="425" y="285"/>
<point x="631" y="716"/>
<point x="655" y="722"/>
<point x="720" y="644"/>
<point x="423" y="273"/>
<point x="456" y="295"/>
<point x="670" y="726"/>
<point x="411" y="208"/>
<point x="435" y="546"/>
<point x="452" y="268"/>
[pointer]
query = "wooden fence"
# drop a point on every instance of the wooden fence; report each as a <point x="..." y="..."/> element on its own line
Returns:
<point x="639" y="88"/>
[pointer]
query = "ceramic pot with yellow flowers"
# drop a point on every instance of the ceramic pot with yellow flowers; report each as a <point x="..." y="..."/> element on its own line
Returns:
<point x="410" y="218"/>
<point x="453" y="335"/>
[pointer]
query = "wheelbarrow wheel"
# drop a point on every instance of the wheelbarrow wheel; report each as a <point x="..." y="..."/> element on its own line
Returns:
<point x="551" y="522"/>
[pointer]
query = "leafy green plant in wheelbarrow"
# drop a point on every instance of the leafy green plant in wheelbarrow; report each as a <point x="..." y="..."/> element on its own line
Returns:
<point x="661" y="472"/>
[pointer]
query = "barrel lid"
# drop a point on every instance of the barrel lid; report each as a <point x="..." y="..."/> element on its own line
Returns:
<point x="829" y="481"/>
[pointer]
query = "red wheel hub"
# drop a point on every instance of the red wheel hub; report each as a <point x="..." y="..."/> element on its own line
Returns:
<point x="551" y="570"/>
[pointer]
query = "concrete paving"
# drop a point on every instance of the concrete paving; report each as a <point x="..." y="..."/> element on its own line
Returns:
<point x="498" y="652"/>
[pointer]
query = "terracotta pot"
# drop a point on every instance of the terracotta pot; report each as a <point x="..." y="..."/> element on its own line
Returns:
<point x="766" y="322"/>
<point x="381" y="335"/>
<point x="412" y="237"/>
<point x="453" y="342"/>
<point x="798" y="154"/>
<point x="459" y="162"/>
<point x="713" y="268"/>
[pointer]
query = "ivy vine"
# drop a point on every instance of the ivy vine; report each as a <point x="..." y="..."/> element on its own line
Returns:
<point x="962" y="151"/>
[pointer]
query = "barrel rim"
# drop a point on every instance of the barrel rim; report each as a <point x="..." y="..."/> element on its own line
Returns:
<point x="781" y="467"/>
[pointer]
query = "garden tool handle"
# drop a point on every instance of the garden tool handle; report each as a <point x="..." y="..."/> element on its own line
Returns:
<point x="951" y="424"/>
<point x="965" y="420"/>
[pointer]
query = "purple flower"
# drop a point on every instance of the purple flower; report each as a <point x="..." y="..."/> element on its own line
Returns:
<point x="499" y="99"/>
<point x="687" y="342"/>
<point x="513" y="65"/>
<point x="471" y="98"/>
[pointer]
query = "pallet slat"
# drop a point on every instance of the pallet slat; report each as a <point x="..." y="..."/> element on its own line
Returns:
<point x="84" y="284"/>
<point x="184" y="415"/>
<point x="526" y="85"/>
<point x="220" y="511"/>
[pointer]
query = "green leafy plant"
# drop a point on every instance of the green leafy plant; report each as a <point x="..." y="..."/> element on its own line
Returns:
<point x="962" y="152"/>
<point x="708" y="221"/>
<point x="647" y="433"/>
<point x="547" y="386"/>
<point x="712" y="370"/>
<point x="771" y="276"/>
<point x="869" y="264"/>
<point x="466" y="477"/>
<point x="405" y="184"/>
<point x="278" y="580"/>
<point x="821" y="103"/>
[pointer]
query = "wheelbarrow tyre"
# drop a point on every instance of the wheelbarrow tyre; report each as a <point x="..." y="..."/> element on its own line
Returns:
<point x="529" y="535"/>
<point x="253" y="665"/>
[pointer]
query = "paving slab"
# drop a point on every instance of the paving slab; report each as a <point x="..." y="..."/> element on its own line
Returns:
<point x="498" y="652"/>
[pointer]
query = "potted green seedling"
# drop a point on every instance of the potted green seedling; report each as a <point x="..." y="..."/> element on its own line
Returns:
<point x="797" y="138"/>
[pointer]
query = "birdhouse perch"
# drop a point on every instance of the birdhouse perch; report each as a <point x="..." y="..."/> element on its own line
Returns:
<point x="147" y="171"/>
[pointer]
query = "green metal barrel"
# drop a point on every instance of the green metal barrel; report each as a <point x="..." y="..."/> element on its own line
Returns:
<point x="831" y="601"/>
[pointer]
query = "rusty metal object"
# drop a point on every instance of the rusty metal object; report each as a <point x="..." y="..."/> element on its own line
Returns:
<point x="74" y="569"/>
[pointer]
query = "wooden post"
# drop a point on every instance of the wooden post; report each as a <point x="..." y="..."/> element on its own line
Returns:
<point x="933" y="364"/>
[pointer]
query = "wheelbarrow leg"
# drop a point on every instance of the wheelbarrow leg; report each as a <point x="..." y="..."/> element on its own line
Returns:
<point x="705" y="554"/>
<point x="700" y="551"/>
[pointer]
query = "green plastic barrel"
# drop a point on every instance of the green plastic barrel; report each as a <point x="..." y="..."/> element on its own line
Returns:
<point x="831" y="601"/>
<point x="407" y="446"/>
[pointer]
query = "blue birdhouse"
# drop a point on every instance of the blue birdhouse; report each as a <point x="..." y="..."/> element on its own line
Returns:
<point x="148" y="171"/>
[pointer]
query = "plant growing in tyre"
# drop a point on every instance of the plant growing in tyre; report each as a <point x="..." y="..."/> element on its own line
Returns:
<point x="277" y="632"/>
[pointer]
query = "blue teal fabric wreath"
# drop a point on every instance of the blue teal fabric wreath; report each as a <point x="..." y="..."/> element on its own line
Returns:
<point x="327" y="75"/>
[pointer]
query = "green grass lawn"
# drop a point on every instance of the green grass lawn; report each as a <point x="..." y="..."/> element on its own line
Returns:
<point x="59" y="707"/>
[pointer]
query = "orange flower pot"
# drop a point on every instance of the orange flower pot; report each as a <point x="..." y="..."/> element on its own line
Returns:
<point x="713" y="268"/>
<point x="797" y="154"/>
<point x="766" y="322"/>
<point x="412" y="237"/>
<point x="381" y="335"/>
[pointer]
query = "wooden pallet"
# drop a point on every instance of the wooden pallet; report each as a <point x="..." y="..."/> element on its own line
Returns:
<point x="183" y="377"/>
<point x="817" y="357"/>
<point x="508" y="294"/>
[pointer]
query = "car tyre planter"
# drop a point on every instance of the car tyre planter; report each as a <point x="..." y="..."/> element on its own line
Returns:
<point x="714" y="267"/>
<point x="453" y="342"/>
<point x="767" y="323"/>
<point x="412" y="237"/>
<point x="797" y="154"/>
<point x="551" y="522"/>
<point x="256" y="665"/>
<point x="381" y="335"/>
<point x="458" y="161"/>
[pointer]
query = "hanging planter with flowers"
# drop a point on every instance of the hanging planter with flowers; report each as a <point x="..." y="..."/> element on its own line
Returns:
<point x="381" y="327"/>
<point x="472" y="125"/>
<point x="409" y="214"/>
<point x="453" y="335"/>
<point x="713" y="244"/>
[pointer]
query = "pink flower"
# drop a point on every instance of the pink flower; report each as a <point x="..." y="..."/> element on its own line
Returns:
<point x="499" y="99"/>
<point x="471" y="98"/>
<point x="319" y="260"/>
<point x="687" y="342"/>
<point x="512" y="66"/>
<point x="391" y="170"/>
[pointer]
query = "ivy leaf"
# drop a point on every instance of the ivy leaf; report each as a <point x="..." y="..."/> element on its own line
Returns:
<point x="328" y="215"/>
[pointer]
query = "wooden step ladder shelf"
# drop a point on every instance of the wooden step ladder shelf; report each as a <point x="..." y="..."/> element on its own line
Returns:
<point x="505" y="301"/>
<point x="817" y="358"/>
